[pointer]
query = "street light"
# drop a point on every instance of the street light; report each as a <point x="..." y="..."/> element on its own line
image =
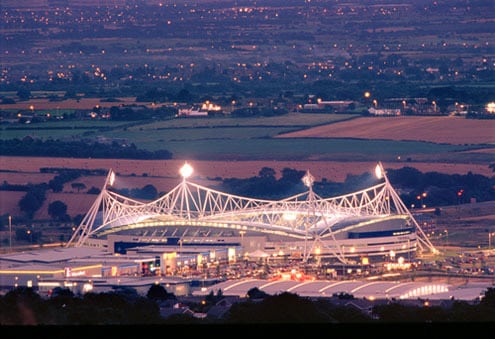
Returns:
<point x="490" y="240"/>
<point x="421" y="197"/>
<point x="10" y="233"/>
<point x="392" y="255"/>
<point x="242" y="240"/>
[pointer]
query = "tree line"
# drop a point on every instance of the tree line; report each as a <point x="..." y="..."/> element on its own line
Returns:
<point x="81" y="149"/>
<point x="434" y="188"/>
<point x="124" y="306"/>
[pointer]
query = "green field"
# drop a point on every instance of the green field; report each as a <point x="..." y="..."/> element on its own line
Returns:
<point x="304" y="149"/>
<point x="57" y="129"/>
<point x="227" y="137"/>
<point x="151" y="135"/>
<point x="297" y="120"/>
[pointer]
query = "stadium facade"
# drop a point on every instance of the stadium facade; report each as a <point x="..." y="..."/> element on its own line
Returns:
<point x="363" y="226"/>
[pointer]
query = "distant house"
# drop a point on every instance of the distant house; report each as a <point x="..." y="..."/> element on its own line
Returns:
<point x="194" y="111"/>
<point x="180" y="308"/>
<point x="177" y="308"/>
<point x="221" y="308"/>
<point x="328" y="106"/>
<point x="432" y="70"/>
<point x="384" y="111"/>
<point x="204" y="109"/>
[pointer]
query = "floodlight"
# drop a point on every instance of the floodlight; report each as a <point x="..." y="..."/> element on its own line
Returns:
<point x="186" y="170"/>
<point x="112" y="178"/>
<point x="378" y="171"/>
<point x="308" y="179"/>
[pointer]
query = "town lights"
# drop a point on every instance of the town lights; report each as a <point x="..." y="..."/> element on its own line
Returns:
<point x="186" y="170"/>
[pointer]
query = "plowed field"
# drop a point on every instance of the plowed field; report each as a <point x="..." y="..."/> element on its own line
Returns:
<point x="331" y="170"/>
<point x="164" y="175"/>
<point x="449" y="129"/>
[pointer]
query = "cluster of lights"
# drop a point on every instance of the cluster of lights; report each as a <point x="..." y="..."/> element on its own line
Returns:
<point x="490" y="107"/>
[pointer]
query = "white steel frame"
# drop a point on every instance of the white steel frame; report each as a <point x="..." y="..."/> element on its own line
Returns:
<point x="305" y="216"/>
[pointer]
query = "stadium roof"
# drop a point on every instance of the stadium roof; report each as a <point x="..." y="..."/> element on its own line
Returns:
<point x="52" y="255"/>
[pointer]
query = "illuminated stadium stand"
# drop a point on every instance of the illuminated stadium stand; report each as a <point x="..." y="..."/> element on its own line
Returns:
<point x="369" y="224"/>
<point x="193" y="226"/>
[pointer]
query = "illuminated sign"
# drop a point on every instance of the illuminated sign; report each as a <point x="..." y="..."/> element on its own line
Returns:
<point x="70" y="273"/>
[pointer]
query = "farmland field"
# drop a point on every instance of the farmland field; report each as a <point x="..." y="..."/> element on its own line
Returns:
<point x="68" y="104"/>
<point x="294" y="136"/>
<point x="209" y="169"/>
<point x="446" y="130"/>
<point x="330" y="146"/>
<point x="164" y="175"/>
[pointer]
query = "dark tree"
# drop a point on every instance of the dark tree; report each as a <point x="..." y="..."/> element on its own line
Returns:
<point x="267" y="172"/>
<point x="94" y="190"/>
<point x="56" y="184"/>
<point x="292" y="176"/>
<point x="283" y="308"/>
<point x="78" y="186"/>
<point x="184" y="96"/>
<point x="148" y="192"/>
<point x="256" y="293"/>
<point x="61" y="292"/>
<point x="77" y="219"/>
<point x="22" y="306"/>
<point x="30" y="203"/>
<point x="489" y="298"/>
<point x="158" y="292"/>
<point x="57" y="209"/>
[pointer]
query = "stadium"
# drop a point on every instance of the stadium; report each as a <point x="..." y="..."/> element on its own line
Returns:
<point x="369" y="225"/>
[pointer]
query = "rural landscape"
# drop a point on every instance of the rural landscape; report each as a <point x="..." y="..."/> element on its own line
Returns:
<point x="334" y="156"/>
<point x="440" y="122"/>
<point x="252" y="95"/>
